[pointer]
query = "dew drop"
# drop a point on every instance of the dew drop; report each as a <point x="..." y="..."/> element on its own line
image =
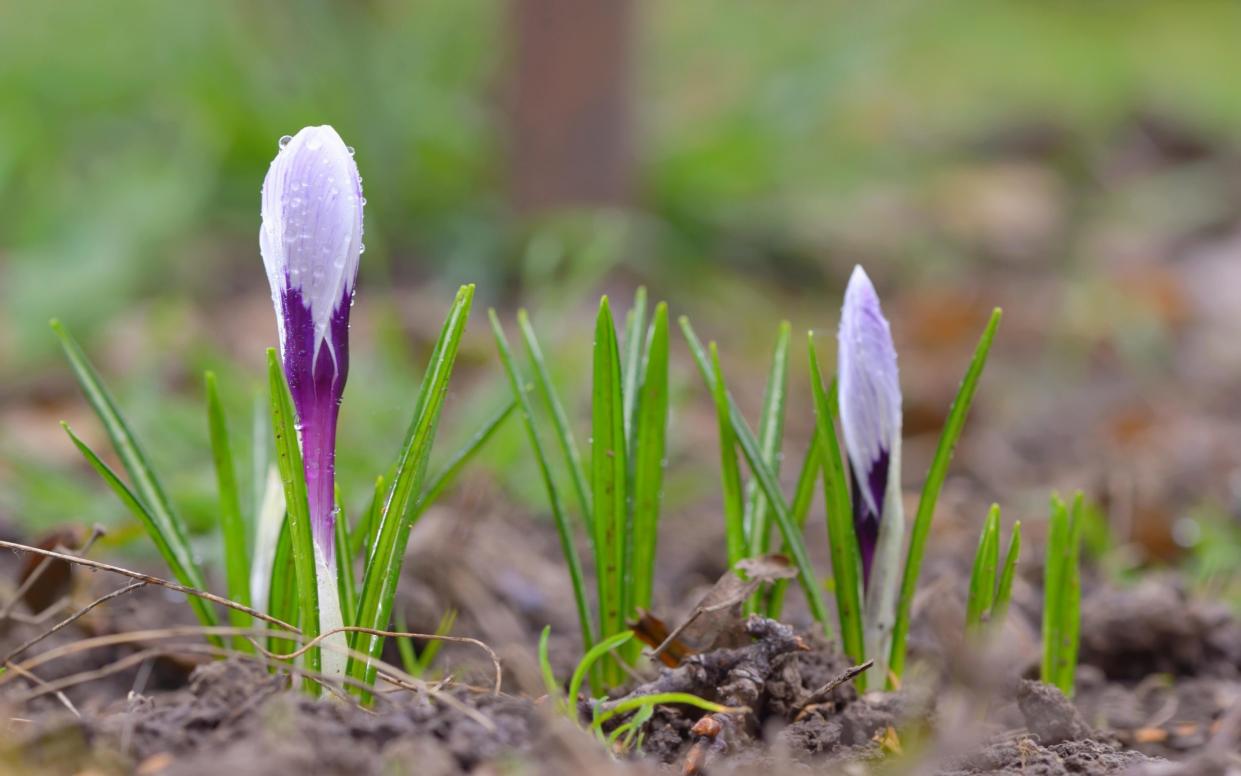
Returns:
<point x="363" y="201"/>
<point x="349" y="149"/>
<point x="284" y="141"/>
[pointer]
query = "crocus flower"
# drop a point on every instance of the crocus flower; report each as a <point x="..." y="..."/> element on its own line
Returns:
<point x="870" y="411"/>
<point x="311" y="240"/>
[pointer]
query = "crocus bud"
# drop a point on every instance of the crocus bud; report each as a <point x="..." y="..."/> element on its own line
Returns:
<point x="870" y="411"/>
<point x="311" y="240"/>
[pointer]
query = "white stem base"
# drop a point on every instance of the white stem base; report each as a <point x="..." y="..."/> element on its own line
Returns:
<point x="334" y="649"/>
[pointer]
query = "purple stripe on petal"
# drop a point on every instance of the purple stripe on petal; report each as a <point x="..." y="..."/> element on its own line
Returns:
<point x="317" y="383"/>
<point x="311" y="241"/>
<point x="865" y="519"/>
<point x="870" y="405"/>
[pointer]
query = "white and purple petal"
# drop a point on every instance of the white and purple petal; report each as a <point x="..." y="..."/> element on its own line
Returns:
<point x="870" y="406"/>
<point x="311" y="241"/>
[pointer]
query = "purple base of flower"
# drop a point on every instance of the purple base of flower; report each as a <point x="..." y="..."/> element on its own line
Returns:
<point x="316" y="382"/>
<point x="866" y="520"/>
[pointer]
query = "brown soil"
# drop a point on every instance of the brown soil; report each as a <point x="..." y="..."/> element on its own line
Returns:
<point x="1160" y="673"/>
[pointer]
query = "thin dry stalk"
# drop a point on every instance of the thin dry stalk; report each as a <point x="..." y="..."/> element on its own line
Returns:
<point x="150" y="580"/>
<point x="60" y="696"/>
<point x="495" y="659"/>
<point x="386" y="671"/>
<point x="72" y="618"/>
<point x="35" y="575"/>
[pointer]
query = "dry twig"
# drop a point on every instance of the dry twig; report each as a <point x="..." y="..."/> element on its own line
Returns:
<point x="150" y="580"/>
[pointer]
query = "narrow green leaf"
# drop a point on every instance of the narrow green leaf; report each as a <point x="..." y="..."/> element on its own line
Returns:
<point x="649" y="456"/>
<point x="362" y="537"/>
<point x="598" y="651"/>
<point x="803" y="497"/>
<point x="146" y="486"/>
<point x="842" y="541"/>
<point x="608" y="469"/>
<point x="982" y="577"/>
<point x="260" y="457"/>
<point x="443" y="628"/>
<point x="1053" y="580"/>
<point x="383" y="567"/>
<point x="206" y="614"/>
<point x="642" y="701"/>
<point x="282" y="592"/>
<point x="232" y="527"/>
<point x="563" y="528"/>
<point x="1071" y="600"/>
<point x="930" y="494"/>
<point x="770" y="485"/>
<point x="545" y="667"/>
<point x="730" y="469"/>
<point x="405" y="647"/>
<point x="445" y="477"/>
<point x="629" y="728"/>
<point x="635" y="328"/>
<point x="1004" y="595"/>
<point x="345" y="580"/>
<point x="293" y="476"/>
<point x="770" y="438"/>
<point x="560" y="419"/>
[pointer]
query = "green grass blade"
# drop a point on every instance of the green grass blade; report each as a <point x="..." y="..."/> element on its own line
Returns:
<point x="628" y="729"/>
<point x="560" y="419"/>
<point x="232" y="527"/>
<point x="282" y="593"/>
<point x="345" y="580"/>
<point x="608" y="471"/>
<point x="445" y="477"/>
<point x="1053" y="579"/>
<point x="362" y="537"/>
<point x="730" y="468"/>
<point x="649" y="455"/>
<point x="545" y="668"/>
<point x="292" y="475"/>
<point x="1071" y="600"/>
<point x="770" y="438"/>
<point x="383" y="568"/>
<point x="842" y="541"/>
<point x="563" y="528"/>
<point x="206" y="614"/>
<point x="930" y="494"/>
<point x="405" y="647"/>
<point x="146" y="486"/>
<point x="595" y="653"/>
<point x="260" y="457"/>
<point x="789" y="530"/>
<point x="643" y="701"/>
<point x="803" y="497"/>
<point x="1004" y="594"/>
<point x="443" y="628"/>
<point x="631" y="365"/>
<point x="982" y="577"/>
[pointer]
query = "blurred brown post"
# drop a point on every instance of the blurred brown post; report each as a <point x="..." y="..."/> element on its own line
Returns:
<point x="569" y="113"/>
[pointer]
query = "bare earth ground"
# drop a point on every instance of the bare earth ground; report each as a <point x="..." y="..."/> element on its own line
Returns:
<point x="1160" y="679"/>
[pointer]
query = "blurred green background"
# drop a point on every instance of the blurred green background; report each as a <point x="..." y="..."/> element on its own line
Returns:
<point x="764" y="149"/>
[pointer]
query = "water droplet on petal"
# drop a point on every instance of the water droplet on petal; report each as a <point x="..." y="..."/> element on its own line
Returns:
<point x="284" y="141"/>
<point x="349" y="149"/>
